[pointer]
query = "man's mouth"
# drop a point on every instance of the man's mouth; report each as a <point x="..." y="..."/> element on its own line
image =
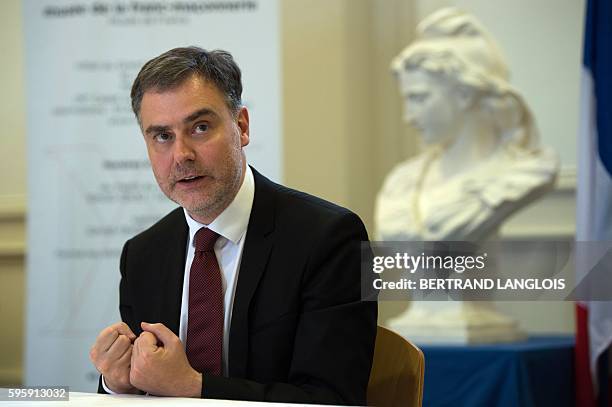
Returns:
<point x="189" y="179"/>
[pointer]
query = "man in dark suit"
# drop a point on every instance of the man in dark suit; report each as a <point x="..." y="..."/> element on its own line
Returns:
<point x="251" y="290"/>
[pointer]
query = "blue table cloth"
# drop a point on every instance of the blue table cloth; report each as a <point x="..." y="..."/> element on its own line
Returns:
<point x="535" y="372"/>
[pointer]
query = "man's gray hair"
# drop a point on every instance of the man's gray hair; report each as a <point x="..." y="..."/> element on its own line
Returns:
<point x="174" y="67"/>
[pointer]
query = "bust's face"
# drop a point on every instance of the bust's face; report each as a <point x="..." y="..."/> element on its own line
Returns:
<point x="430" y="106"/>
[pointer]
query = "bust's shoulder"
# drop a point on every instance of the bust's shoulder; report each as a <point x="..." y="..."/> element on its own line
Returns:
<point x="543" y="162"/>
<point x="405" y="174"/>
<point x="410" y="166"/>
<point x="514" y="176"/>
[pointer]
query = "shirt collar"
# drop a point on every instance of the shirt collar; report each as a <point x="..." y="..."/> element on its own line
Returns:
<point x="233" y="221"/>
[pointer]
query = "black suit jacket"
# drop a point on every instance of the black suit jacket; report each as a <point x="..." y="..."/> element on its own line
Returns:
<point x="299" y="330"/>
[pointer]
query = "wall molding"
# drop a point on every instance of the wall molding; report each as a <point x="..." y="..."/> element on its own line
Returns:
<point x="12" y="275"/>
<point x="12" y="249"/>
<point x="566" y="181"/>
<point x="11" y="376"/>
<point x="12" y="226"/>
<point x="12" y="207"/>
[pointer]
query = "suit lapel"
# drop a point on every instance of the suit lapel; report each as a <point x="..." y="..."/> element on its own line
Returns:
<point x="259" y="242"/>
<point x="172" y="267"/>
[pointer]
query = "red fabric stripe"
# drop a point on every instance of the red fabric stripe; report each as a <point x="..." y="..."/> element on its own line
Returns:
<point x="585" y="396"/>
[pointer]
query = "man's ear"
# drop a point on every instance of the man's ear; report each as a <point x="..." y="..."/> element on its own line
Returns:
<point x="243" y="126"/>
<point x="465" y="96"/>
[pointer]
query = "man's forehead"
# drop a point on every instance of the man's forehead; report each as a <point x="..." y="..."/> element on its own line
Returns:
<point x="192" y="84"/>
<point x="187" y="97"/>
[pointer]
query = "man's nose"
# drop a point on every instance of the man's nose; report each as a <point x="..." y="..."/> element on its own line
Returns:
<point x="183" y="150"/>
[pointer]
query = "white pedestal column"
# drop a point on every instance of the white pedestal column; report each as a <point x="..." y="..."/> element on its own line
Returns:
<point x="456" y="323"/>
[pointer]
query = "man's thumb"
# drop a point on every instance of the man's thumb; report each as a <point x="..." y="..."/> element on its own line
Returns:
<point x="163" y="334"/>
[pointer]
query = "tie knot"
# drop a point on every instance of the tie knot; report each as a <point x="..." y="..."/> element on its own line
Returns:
<point x="205" y="239"/>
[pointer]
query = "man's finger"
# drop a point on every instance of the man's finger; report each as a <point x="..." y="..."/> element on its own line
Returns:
<point x="108" y="335"/>
<point x="165" y="335"/>
<point x="125" y="359"/>
<point x="106" y="338"/>
<point x="147" y="341"/>
<point x="124" y="329"/>
<point x="118" y="348"/>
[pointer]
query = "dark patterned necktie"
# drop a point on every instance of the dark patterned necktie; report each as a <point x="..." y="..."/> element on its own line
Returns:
<point x="204" y="345"/>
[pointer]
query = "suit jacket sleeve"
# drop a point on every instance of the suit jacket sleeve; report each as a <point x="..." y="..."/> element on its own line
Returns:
<point x="334" y="340"/>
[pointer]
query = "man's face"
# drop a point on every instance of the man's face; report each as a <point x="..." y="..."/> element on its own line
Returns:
<point x="195" y="145"/>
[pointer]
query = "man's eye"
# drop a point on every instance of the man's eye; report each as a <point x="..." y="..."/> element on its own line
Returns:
<point x="201" y="128"/>
<point x="162" y="138"/>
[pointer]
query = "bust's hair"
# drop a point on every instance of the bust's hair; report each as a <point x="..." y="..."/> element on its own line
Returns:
<point x="174" y="67"/>
<point x="456" y="47"/>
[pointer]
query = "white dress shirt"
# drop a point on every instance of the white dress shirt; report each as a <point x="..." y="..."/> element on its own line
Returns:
<point x="231" y="225"/>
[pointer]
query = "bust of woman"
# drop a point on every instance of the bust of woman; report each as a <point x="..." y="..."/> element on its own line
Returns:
<point x="482" y="160"/>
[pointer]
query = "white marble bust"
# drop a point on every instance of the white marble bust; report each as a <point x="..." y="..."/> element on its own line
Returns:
<point x="482" y="160"/>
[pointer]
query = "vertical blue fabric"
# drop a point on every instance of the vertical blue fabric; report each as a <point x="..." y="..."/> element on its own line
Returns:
<point x="598" y="60"/>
